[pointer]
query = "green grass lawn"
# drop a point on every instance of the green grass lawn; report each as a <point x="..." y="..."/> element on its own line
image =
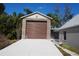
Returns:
<point x="63" y="52"/>
<point x="70" y="48"/>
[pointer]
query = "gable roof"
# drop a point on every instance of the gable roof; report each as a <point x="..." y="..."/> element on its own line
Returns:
<point x="37" y="13"/>
<point x="71" y="23"/>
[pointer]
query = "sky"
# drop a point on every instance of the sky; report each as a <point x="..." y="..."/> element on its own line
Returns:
<point x="41" y="7"/>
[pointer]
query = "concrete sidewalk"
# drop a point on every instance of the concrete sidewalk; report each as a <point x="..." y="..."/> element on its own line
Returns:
<point x="31" y="47"/>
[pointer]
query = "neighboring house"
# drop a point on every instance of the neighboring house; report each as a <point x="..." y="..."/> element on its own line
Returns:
<point x="36" y="26"/>
<point x="69" y="32"/>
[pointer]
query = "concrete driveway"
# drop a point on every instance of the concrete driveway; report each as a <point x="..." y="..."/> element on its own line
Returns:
<point x="31" y="47"/>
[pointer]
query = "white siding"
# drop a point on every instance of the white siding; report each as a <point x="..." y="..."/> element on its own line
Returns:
<point x="61" y="37"/>
<point x="72" y="36"/>
<point x="72" y="39"/>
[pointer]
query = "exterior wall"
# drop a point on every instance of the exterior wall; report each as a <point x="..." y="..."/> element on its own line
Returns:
<point x="72" y="36"/>
<point x="61" y="37"/>
<point x="38" y="18"/>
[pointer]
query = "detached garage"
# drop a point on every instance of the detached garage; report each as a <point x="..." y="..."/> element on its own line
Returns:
<point x="36" y="26"/>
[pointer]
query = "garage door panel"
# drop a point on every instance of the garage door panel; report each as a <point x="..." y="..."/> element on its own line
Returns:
<point x="36" y="30"/>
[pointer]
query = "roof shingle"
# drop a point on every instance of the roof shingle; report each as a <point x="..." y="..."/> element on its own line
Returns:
<point x="71" y="23"/>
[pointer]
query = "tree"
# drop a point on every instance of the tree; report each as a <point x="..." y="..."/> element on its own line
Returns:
<point x="20" y="15"/>
<point x="67" y="14"/>
<point x="14" y="14"/>
<point x="57" y="11"/>
<point x="19" y="25"/>
<point x="11" y="27"/>
<point x="3" y="23"/>
<point x="54" y="21"/>
<point x="57" y="15"/>
<point x="2" y="8"/>
<point x="27" y="11"/>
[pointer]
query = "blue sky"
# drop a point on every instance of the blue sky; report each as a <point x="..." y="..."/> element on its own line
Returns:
<point x="41" y="7"/>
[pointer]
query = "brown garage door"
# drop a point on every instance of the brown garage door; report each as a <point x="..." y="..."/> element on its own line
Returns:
<point x="36" y="29"/>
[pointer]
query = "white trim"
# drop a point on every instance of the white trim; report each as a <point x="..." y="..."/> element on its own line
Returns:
<point x="48" y="29"/>
<point x="36" y="13"/>
<point x="23" y="28"/>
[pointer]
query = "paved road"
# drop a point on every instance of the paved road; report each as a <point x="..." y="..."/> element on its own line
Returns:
<point x="31" y="47"/>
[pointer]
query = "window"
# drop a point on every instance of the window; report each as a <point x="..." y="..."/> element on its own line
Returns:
<point x="64" y="35"/>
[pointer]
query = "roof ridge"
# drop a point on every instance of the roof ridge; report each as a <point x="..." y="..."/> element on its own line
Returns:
<point x="35" y="13"/>
<point x="71" y="23"/>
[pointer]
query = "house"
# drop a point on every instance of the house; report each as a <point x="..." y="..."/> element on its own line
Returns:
<point x="36" y="26"/>
<point x="69" y="32"/>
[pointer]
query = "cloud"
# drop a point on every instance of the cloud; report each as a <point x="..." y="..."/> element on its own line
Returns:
<point x="39" y="8"/>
